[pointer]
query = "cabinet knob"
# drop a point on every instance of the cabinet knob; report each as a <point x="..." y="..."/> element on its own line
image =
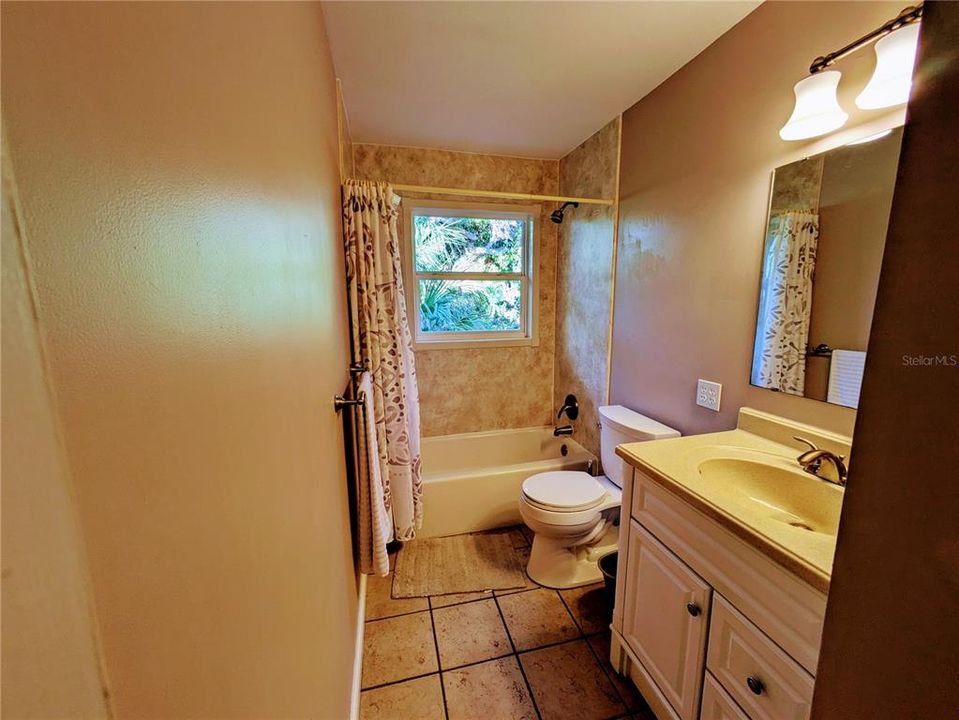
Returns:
<point x="755" y="684"/>
<point x="693" y="609"/>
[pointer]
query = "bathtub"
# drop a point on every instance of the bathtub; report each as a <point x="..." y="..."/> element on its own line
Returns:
<point x="473" y="481"/>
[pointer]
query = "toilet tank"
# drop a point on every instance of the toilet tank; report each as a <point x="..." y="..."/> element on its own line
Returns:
<point x="622" y="425"/>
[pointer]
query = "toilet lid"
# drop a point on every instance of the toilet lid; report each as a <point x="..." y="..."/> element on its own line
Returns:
<point x="564" y="490"/>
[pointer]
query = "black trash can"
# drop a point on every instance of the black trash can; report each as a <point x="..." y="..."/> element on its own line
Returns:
<point x="607" y="566"/>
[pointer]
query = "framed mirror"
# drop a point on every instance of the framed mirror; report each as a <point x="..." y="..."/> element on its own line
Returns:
<point x="825" y="235"/>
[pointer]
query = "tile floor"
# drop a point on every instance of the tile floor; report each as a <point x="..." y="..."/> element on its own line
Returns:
<point x="530" y="654"/>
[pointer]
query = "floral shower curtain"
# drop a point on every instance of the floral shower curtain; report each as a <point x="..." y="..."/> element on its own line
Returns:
<point x="785" y="302"/>
<point x="390" y="503"/>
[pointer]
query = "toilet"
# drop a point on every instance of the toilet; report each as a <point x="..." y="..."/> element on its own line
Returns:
<point x="575" y="516"/>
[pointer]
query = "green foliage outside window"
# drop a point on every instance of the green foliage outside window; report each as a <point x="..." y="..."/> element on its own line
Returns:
<point x="469" y="245"/>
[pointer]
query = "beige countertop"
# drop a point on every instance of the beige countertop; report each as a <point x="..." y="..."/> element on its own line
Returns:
<point x="675" y="465"/>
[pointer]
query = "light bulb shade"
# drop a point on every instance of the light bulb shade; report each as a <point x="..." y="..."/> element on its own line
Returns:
<point x="817" y="110"/>
<point x="892" y="78"/>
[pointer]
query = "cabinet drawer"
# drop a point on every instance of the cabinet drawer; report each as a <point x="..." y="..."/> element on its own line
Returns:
<point x="759" y="676"/>
<point x="717" y="705"/>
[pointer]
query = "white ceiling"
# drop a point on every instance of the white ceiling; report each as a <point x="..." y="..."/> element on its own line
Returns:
<point x="516" y="78"/>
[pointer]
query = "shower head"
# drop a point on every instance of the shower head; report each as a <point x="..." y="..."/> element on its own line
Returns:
<point x="557" y="215"/>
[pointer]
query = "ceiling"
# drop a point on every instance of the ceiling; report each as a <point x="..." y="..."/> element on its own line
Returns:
<point x="533" y="79"/>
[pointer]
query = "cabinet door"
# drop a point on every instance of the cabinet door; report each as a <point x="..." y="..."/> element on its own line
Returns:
<point x="664" y="619"/>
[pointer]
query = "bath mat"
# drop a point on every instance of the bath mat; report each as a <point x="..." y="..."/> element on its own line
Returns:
<point x="457" y="564"/>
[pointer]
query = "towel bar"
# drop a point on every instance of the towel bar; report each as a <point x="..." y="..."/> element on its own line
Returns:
<point x="340" y="402"/>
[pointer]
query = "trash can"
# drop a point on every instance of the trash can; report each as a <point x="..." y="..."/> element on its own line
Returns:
<point x="607" y="566"/>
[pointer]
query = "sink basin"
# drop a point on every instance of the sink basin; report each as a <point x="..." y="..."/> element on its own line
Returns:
<point x="776" y="493"/>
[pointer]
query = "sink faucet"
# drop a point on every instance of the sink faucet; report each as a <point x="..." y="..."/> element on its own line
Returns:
<point x="823" y="464"/>
<point x="563" y="430"/>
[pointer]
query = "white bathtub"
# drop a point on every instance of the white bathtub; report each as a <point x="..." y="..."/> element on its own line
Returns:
<point x="473" y="481"/>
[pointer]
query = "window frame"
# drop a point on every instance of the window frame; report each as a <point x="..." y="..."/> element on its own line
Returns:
<point x="527" y="335"/>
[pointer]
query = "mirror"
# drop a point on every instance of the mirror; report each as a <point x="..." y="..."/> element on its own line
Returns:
<point x="825" y="234"/>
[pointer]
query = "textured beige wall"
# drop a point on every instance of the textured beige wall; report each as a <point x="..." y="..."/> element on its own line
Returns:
<point x="472" y="389"/>
<point x="50" y="659"/>
<point x="584" y="279"/>
<point x="177" y="166"/>
<point x="696" y="161"/>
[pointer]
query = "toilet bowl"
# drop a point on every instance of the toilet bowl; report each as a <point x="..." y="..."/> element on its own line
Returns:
<point x="574" y="516"/>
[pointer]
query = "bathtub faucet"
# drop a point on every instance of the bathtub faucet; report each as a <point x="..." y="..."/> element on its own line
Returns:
<point x="563" y="430"/>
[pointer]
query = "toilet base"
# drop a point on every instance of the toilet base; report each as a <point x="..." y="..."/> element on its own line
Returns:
<point x="556" y="566"/>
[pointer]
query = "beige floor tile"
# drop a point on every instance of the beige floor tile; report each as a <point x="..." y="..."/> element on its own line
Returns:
<point x="489" y="691"/>
<point x="522" y="554"/>
<point x="624" y="686"/>
<point x="379" y="603"/>
<point x="421" y="699"/>
<point x="588" y="605"/>
<point x="537" y="618"/>
<point x="470" y="633"/>
<point x="567" y="682"/>
<point x="398" y="648"/>
<point x="438" y="601"/>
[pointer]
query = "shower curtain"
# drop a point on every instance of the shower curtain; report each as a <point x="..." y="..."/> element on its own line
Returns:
<point x="785" y="302"/>
<point x="390" y="493"/>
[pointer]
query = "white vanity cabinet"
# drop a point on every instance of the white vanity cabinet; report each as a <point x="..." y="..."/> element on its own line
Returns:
<point x="706" y="625"/>
<point x="665" y="619"/>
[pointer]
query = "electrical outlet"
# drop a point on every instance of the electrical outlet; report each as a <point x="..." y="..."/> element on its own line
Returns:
<point x="708" y="394"/>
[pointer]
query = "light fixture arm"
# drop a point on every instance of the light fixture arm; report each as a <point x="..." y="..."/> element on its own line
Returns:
<point x="908" y="16"/>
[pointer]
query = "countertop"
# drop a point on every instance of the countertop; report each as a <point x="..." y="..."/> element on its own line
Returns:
<point x="673" y="464"/>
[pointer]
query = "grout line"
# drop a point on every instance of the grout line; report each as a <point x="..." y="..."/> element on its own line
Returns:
<point x="610" y="678"/>
<point x="397" y="682"/>
<point x="522" y="671"/>
<point x="439" y="664"/>
<point x="402" y="614"/>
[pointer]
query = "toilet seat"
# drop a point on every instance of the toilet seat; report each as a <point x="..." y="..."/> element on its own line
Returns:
<point x="563" y="491"/>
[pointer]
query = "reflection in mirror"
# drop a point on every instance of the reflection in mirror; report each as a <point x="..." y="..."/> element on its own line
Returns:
<point x="825" y="235"/>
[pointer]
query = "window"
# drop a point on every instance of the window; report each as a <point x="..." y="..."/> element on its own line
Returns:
<point x="470" y="272"/>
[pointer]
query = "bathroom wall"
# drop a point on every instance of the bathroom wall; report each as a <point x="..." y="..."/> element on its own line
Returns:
<point x="51" y="667"/>
<point x="584" y="267"/>
<point x="473" y="389"/>
<point x="178" y="172"/>
<point x="697" y="157"/>
<point x="891" y="631"/>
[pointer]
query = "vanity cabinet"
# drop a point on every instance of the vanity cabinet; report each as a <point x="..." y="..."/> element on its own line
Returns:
<point x="665" y="619"/>
<point x="706" y="625"/>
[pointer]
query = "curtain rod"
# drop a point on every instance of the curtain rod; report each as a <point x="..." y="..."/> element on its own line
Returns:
<point x="496" y="194"/>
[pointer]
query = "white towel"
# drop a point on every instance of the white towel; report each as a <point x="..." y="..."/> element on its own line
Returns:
<point x="375" y="521"/>
<point x="845" y="377"/>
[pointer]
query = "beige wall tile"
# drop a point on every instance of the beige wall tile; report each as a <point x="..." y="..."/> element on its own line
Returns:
<point x="584" y="280"/>
<point x="474" y="389"/>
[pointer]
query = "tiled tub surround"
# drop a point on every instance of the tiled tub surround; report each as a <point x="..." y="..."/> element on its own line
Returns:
<point x="515" y="384"/>
<point x="584" y="266"/>
<point x="522" y="654"/>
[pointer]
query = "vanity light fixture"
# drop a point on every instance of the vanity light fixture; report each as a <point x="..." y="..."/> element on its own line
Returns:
<point x="817" y="109"/>
<point x="892" y="78"/>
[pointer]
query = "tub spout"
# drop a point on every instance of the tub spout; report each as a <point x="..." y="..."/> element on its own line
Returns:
<point x="563" y="430"/>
